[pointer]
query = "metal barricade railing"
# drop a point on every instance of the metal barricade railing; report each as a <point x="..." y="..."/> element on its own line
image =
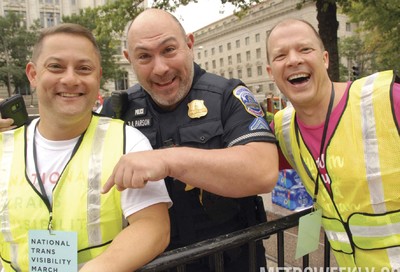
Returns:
<point x="178" y="258"/>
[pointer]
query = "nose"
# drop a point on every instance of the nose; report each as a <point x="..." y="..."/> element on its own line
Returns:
<point x="70" y="77"/>
<point x="294" y="58"/>
<point x="160" y="66"/>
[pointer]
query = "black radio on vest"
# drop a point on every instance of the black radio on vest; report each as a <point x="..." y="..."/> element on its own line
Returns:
<point x="119" y="103"/>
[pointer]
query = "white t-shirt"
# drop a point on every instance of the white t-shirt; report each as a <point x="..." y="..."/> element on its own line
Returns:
<point x="52" y="156"/>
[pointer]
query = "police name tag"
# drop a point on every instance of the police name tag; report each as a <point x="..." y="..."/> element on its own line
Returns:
<point x="308" y="235"/>
<point x="55" y="251"/>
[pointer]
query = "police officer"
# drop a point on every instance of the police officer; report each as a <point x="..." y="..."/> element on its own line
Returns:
<point x="212" y="143"/>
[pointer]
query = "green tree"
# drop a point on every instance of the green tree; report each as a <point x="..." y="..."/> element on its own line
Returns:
<point x="107" y="40"/>
<point x="16" y="43"/>
<point x="352" y="48"/>
<point x="380" y="23"/>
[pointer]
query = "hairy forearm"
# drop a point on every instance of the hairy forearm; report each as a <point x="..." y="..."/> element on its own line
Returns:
<point x="233" y="172"/>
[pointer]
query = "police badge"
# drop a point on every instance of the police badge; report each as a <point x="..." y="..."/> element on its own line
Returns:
<point x="197" y="109"/>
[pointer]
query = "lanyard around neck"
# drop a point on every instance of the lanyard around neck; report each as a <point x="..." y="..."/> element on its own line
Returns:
<point x="322" y="146"/>
<point x="39" y="177"/>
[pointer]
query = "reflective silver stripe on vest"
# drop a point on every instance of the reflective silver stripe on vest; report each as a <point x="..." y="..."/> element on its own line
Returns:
<point x="5" y="164"/>
<point x="372" y="160"/>
<point x="337" y="236"/>
<point x="286" y="121"/>
<point x="94" y="186"/>
<point x="371" y="146"/>
<point x="394" y="258"/>
<point x="375" y="231"/>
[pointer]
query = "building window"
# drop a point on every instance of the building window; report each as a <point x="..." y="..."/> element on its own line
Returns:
<point x="205" y="53"/>
<point x="271" y="86"/>
<point x="230" y="74"/>
<point x="249" y="74"/>
<point x="198" y="55"/>
<point x="348" y="27"/>
<point x="248" y="56"/>
<point x="50" y="2"/>
<point x="214" y="64"/>
<point x="220" y="49"/>
<point x="238" y="58"/>
<point x="121" y="83"/>
<point x="228" y="46"/>
<point x="221" y="62"/>
<point x="258" y="37"/>
<point x="206" y="65"/>
<point x="259" y="70"/>
<point x="229" y="60"/>
<point x="237" y="43"/>
<point x="258" y="53"/>
<point x="239" y="72"/>
<point x="247" y="40"/>
<point x="213" y="51"/>
<point x="48" y="19"/>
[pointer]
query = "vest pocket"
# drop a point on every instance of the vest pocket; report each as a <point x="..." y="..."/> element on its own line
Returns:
<point x="337" y="235"/>
<point x="375" y="231"/>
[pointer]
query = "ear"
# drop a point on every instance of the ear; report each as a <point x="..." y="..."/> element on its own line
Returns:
<point x="326" y="59"/>
<point x="269" y="71"/>
<point x="31" y="73"/>
<point x="126" y="55"/>
<point x="190" y="40"/>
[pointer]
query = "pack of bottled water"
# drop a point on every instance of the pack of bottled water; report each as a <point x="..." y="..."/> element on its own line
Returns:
<point x="289" y="191"/>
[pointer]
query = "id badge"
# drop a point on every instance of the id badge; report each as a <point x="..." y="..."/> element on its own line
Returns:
<point x="53" y="251"/>
<point x="308" y="234"/>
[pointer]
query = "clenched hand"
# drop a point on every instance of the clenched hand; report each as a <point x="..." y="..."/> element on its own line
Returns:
<point x="135" y="169"/>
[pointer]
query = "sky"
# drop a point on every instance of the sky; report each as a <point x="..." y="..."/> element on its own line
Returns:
<point x="197" y="15"/>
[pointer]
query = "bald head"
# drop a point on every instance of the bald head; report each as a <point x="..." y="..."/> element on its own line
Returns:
<point x="153" y="19"/>
<point x="161" y="55"/>
<point x="287" y="23"/>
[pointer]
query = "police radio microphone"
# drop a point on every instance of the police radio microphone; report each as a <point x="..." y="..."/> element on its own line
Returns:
<point x="119" y="103"/>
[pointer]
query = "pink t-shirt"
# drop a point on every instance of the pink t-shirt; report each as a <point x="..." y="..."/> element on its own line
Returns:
<point x="312" y="135"/>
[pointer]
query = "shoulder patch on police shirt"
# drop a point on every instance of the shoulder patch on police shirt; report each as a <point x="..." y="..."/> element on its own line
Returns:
<point x="259" y="123"/>
<point x="248" y="100"/>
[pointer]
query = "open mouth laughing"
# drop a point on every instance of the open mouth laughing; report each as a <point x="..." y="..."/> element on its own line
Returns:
<point x="299" y="78"/>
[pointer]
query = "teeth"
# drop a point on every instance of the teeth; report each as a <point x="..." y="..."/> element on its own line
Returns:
<point x="69" y="94"/>
<point x="298" y="76"/>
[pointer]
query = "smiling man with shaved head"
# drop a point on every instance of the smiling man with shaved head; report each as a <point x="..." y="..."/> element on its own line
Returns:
<point x="214" y="147"/>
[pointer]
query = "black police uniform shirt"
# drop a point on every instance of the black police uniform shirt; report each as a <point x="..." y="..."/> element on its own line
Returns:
<point x="216" y="113"/>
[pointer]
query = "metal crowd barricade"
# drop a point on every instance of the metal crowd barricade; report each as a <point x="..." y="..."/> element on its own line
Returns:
<point x="214" y="247"/>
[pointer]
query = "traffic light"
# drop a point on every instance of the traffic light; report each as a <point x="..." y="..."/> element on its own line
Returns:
<point x="356" y="72"/>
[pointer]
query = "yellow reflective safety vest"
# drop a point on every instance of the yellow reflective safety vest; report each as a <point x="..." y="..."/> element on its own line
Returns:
<point x="361" y="217"/>
<point x="77" y="204"/>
